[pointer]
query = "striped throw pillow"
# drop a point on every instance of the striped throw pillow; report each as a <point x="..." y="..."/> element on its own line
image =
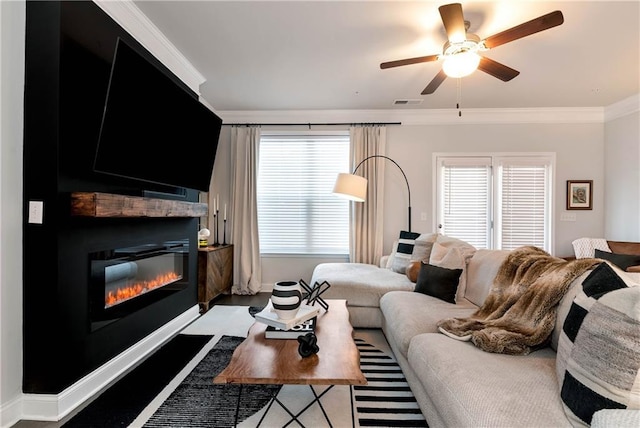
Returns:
<point x="598" y="360"/>
<point x="403" y="252"/>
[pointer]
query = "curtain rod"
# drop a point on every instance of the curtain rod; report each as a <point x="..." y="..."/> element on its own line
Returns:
<point x="312" y="124"/>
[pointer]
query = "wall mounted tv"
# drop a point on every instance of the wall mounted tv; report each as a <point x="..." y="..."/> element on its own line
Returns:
<point x="152" y="129"/>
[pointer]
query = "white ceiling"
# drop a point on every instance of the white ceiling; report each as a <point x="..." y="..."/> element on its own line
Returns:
<point x="326" y="55"/>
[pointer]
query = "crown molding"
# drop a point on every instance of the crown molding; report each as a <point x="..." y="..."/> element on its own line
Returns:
<point x="622" y="108"/>
<point x="420" y="116"/>
<point x="131" y="18"/>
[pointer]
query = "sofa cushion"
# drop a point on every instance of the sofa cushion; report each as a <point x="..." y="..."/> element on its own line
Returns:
<point x="472" y="388"/>
<point x="359" y="283"/>
<point x="438" y="282"/>
<point x="481" y="271"/>
<point x="623" y="261"/>
<point x="451" y="258"/>
<point x="598" y="362"/>
<point x="408" y="313"/>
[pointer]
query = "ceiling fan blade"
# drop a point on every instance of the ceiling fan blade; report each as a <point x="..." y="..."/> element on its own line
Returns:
<point x="453" y="21"/>
<point x="536" y="25"/>
<point x="435" y="82"/>
<point x="408" y="61"/>
<point x="496" y="69"/>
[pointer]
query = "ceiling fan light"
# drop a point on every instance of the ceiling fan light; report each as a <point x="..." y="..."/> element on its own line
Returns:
<point x="461" y="64"/>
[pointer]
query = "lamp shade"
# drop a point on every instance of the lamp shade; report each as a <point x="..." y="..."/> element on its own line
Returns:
<point x="351" y="186"/>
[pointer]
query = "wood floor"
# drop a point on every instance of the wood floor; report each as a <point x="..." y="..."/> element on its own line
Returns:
<point x="238" y="300"/>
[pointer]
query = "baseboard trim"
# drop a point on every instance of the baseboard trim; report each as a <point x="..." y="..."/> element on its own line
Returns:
<point x="54" y="407"/>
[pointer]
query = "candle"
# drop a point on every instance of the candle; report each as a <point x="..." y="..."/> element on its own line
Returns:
<point x="225" y="211"/>
<point x="214" y="207"/>
<point x="217" y="202"/>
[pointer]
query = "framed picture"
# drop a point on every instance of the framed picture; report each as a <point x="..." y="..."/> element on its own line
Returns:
<point x="579" y="194"/>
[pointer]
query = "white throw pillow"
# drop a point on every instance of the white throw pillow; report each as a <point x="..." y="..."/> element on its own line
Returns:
<point x="422" y="247"/>
<point x="586" y="247"/>
<point x="451" y="258"/>
<point x="394" y="249"/>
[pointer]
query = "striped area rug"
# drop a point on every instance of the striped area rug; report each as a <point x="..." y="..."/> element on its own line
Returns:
<point x="387" y="400"/>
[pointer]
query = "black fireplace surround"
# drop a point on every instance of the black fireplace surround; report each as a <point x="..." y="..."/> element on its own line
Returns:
<point x="69" y="48"/>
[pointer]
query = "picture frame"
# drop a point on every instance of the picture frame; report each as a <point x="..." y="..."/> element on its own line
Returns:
<point x="579" y="194"/>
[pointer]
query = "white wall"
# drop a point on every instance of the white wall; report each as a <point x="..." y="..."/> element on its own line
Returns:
<point x="622" y="178"/>
<point x="579" y="148"/>
<point x="12" y="24"/>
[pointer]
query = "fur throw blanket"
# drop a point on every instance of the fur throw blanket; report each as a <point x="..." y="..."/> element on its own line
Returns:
<point x="519" y="313"/>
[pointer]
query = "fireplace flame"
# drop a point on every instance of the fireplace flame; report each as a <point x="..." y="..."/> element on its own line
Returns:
<point x="125" y="293"/>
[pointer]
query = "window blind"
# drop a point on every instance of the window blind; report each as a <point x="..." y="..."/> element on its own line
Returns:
<point x="297" y="213"/>
<point x="504" y="209"/>
<point x="523" y="201"/>
<point x="466" y="200"/>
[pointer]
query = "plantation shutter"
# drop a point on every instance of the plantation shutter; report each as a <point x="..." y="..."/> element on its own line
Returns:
<point x="297" y="212"/>
<point x="523" y="203"/>
<point x="465" y="205"/>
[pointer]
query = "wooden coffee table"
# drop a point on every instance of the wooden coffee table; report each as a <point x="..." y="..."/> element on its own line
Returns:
<point x="276" y="361"/>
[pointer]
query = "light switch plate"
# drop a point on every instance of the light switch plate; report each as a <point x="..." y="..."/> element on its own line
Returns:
<point x="568" y="217"/>
<point x="36" y="209"/>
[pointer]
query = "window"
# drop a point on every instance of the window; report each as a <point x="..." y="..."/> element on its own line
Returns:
<point x="496" y="201"/>
<point x="297" y="212"/>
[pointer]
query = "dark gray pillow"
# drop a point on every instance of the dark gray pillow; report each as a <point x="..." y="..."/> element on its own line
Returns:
<point x="438" y="282"/>
<point x="623" y="261"/>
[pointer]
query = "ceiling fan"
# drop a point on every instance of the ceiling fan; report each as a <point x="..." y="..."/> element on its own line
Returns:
<point x="461" y="53"/>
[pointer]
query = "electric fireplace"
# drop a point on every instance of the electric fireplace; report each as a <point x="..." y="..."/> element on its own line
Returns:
<point x="123" y="280"/>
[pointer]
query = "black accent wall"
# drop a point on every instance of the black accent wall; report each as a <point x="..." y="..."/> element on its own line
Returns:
<point x="69" y="49"/>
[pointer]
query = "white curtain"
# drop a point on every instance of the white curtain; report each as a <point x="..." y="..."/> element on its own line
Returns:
<point x="247" y="276"/>
<point x="365" y="241"/>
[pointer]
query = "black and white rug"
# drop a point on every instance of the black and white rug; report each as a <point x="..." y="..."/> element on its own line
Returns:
<point x="386" y="400"/>
<point x="189" y="398"/>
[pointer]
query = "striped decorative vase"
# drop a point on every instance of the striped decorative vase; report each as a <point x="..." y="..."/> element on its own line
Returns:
<point x="286" y="298"/>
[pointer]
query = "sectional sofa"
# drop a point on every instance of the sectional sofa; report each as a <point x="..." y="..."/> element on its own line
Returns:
<point x="458" y="382"/>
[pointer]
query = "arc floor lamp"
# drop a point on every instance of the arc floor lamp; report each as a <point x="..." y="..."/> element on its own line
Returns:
<point x="354" y="187"/>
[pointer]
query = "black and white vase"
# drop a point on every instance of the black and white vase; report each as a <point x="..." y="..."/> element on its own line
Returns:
<point x="286" y="298"/>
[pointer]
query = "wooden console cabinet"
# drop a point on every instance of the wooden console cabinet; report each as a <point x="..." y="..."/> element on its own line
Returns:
<point x="215" y="273"/>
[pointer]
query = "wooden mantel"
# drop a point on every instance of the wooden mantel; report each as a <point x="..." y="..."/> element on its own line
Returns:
<point x="94" y="204"/>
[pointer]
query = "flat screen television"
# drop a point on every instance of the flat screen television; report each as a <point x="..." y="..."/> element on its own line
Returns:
<point x="152" y="129"/>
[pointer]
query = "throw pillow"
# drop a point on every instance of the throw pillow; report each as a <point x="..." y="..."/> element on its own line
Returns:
<point x="402" y="256"/>
<point x="584" y="248"/>
<point x="466" y="249"/>
<point x="598" y="359"/>
<point x="623" y="261"/>
<point x="392" y="255"/>
<point x="413" y="270"/>
<point x="450" y="258"/>
<point x="438" y="282"/>
<point x="422" y="246"/>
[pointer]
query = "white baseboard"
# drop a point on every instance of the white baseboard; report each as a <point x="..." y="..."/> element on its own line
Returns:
<point x="54" y="407"/>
